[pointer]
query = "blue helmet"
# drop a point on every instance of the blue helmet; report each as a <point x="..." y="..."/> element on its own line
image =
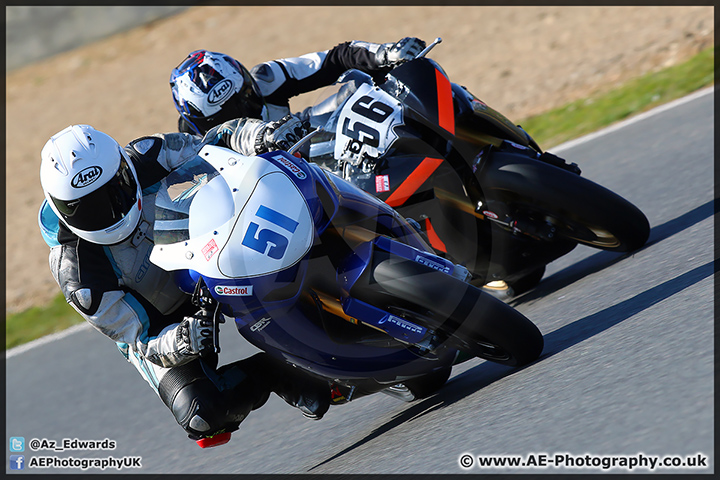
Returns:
<point x="210" y="88"/>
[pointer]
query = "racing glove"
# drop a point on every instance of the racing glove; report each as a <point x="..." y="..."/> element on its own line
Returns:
<point x="183" y="342"/>
<point x="195" y="335"/>
<point x="390" y="54"/>
<point x="280" y="135"/>
<point x="250" y="136"/>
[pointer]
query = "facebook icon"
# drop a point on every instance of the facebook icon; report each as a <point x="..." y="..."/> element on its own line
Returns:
<point x="17" y="462"/>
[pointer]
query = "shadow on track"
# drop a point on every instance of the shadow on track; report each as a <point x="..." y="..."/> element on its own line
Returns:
<point x="456" y="389"/>
<point x="604" y="259"/>
<point x="565" y="337"/>
<point x="561" y="339"/>
<point x="584" y="328"/>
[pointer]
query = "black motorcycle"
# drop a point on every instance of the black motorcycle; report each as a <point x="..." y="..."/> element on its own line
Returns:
<point x="478" y="186"/>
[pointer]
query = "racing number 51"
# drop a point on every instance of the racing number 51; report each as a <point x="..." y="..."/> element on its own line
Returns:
<point x="260" y="240"/>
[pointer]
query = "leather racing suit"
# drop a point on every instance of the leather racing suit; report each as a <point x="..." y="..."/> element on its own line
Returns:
<point x="279" y="80"/>
<point x="123" y="295"/>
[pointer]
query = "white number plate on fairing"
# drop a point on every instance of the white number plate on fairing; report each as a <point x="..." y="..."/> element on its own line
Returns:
<point x="366" y="124"/>
<point x="267" y="226"/>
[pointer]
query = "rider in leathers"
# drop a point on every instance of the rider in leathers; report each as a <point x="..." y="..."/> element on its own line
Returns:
<point x="104" y="271"/>
<point x="210" y="88"/>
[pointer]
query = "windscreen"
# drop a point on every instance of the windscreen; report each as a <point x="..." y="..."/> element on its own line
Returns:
<point x="176" y="194"/>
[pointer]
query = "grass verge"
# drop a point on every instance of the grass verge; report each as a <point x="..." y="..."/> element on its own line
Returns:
<point x="37" y="322"/>
<point x="551" y="128"/>
<point x="588" y="115"/>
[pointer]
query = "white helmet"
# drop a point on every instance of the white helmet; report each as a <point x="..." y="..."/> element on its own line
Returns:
<point x="91" y="184"/>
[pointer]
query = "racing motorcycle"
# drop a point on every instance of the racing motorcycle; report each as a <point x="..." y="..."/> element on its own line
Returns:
<point x="319" y="273"/>
<point x="483" y="192"/>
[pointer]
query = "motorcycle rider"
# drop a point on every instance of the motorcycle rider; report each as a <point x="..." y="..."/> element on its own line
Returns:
<point x="97" y="218"/>
<point x="210" y="88"/>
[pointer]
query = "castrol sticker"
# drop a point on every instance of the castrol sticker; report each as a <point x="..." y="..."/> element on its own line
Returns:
<point x="294" y="169"/>
<point x="234" y="291"/>
<point x="210" y="249"/>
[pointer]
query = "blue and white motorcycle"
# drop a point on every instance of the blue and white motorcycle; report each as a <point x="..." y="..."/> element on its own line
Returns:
<point x="319" y="273"/>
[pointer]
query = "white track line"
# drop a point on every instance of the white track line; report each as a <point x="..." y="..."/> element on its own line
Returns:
<point x="564" y="146"/>
<point x="629" y="121"/>
<point x="46" y="339"/>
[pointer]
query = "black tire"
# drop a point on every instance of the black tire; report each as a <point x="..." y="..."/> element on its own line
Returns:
<point x="469" y="319"/>
<point x="580" y="209"/>
<point x="423" y="387"/>
<point x="527" y="282"/>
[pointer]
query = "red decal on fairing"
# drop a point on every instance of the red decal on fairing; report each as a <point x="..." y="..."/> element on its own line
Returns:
<point x="446" y="112"/>
<point x="435" y="241"/>
<point x="210" y="249"/>
<point x="382" y="183"/>
<point x="414" y="181"/>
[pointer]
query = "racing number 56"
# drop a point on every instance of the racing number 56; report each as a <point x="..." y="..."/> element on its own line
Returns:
<point x="267" y="241"/>
<point x="361" y="133"/>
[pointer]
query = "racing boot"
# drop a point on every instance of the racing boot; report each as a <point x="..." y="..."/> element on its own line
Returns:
<point x="312" y="405"/>
<point x="310" y="395"/>
<point x="209" y="404"/>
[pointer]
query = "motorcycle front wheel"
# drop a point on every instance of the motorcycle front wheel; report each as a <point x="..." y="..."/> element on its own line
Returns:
<point x="578" y="209"/>
<point x="466" y="318"/>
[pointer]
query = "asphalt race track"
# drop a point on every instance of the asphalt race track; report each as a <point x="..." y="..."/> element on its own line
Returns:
<point x="627" y="369"/>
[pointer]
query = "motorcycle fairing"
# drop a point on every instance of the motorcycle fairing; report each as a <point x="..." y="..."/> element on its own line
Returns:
<point x="413" y="181"/>
<point x="272" y="310"/>
<point x="480" y="123"/>
<point x="252" y="220"/>
<point x="424" y="89"/>
<point x="446" y="113"/>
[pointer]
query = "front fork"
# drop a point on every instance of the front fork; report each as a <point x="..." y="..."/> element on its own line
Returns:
<point x="202" y="299"/>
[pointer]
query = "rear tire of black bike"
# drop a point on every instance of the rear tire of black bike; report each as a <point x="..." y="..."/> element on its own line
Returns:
<point x="427" y="385"/>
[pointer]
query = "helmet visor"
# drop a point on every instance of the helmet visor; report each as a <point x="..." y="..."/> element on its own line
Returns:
<point x="104" y="207"/>
<point x="193" y="59"/>
<point x="245" y="103"/>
